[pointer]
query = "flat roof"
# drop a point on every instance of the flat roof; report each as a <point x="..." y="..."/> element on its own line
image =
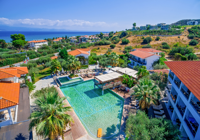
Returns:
<point x="108" y="77"/>
<point x="189" y="74"/>
<point x="128" y="71"/>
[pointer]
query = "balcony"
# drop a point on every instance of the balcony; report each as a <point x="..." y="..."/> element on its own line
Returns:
<point x="134" y="59"/>
<point x="195" y="104"/>
<point x="177" y="122"/>
<point x="181" y="109"/>
<point x="142" y="62"/>
<point x="192" y="125"/>
<point x="177" y="82"/>
<point x="174" y="97"/>
<point x="186" y="93"/>
<point x="171" y="108"/>
<point x="171" y="75"/>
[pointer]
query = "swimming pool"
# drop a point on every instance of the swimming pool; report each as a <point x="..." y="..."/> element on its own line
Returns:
<point x="66" y="80"/>
<point x="94" y="109"/>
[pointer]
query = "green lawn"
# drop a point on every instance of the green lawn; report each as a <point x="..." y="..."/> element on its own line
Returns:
<point x="43" y="73"/>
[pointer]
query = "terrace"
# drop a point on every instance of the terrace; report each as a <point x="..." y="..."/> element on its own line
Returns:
<point x="185" y="91"/>
<point x="173" y="95"/>
<point x="196" y="104"/>
<point x="177" y="121"/>
<point x="171" y="75"/>
<point x="170" y="108"/>
<point x="181" y="107"/>
<point x="177" y="82"/>
<point x="191" y="123"/>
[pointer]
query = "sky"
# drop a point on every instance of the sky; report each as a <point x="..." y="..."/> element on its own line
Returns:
<point x="93" y="15"/>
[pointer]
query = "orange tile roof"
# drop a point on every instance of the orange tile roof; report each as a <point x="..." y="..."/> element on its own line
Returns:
<point x="58" y="39"/>
<point x="54" y="57"/>
<point x="141" y="54"/>
<point x="9" y="94"/>
<point x="8" y="73"/>
<point x="160" y="70"/>
<point x="21" y="70"/>
<point x="79" y="51"/>
<point x="148" y="50"/>
<point x="37" y="41"/>
<point x="189" y="73"/>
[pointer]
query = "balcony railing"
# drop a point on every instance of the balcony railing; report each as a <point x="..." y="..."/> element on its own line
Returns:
<point x="192" y="125"/>
<point x="143" y="63"/>
<point x="170" y="75"/>
<point x="186" y="93"/>
<point x="171" y="108"/>
<point x="181" y="109"/>
<point x="174" y="97"/>
<point x="196" y="106"/>
<point x="178" y="122"/>
<point x="178" y="83"/>
<point x="134" y="59"/>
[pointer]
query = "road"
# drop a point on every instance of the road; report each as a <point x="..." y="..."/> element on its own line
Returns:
<point x="19" y="63"/>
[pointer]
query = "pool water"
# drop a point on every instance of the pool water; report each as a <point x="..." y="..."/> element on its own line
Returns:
<point x="66" y="80"/>
<point x="94" y="109"/>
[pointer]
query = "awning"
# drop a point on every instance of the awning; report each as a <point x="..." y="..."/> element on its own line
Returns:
<point x="108" y="77"/>
<point x="128" y="71"/>
<point x="116" y="68"/>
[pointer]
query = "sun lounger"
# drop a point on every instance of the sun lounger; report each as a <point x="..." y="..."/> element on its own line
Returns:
<point x="68" y="128"/>
<point x="159" y="107"/>
<point x="135" y="107"/>
<point x="161" y="112"/>
<point x="160" y="117"/>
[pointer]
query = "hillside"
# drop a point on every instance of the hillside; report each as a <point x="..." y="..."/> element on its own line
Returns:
<point x="136" y="42"/>
<point x="184" y="22"/>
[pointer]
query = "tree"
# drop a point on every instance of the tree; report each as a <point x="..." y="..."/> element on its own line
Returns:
<point x="114" y="59"/>
<point x="125" y="41"/>
<point x="112" y="46"/>
<point x="142" y="72"/>
<point x="140" y="127"/>
<point x="104" y="61"/>
<point x="55" y="66"/>
<point x="63" y="54"/>
<point x="128" y="49"/>
<point x="134" y="24"/>
<point x="193" y="42"/>
<point x="50" y="118"/>
<point x="73" y="63"/>
<point x="18" y="40"/>
<point x="146" y="92"/>
<point x="101" y="35"/>
<point x="147" y="40"/>
<point x="157" y="38"/>
<point x="3" y="43"/>
<point x="123" y="34"/>
<point x="111" y="34"/>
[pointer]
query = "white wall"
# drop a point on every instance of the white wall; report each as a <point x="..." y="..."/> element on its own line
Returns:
<point x="37" y="45"/>
<point x="150" y="60"/>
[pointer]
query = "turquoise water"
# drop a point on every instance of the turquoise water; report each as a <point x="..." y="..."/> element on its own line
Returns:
<point x="94" y="109"/>
<point x="65" y="80"/>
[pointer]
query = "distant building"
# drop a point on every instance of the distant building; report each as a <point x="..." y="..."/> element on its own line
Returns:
<point x="134" y="28"/>
<point x="37" y="43"/>
<point x="81" y="53"/>
<point x="144" y="57"/>
<point x="153" y="27"/>
<point x="165" y="27"/>
<point x="83" y="39"/>
<point x="161" y="24"/>
<point x="73" y="40"/>
<point x="192" y="22"/>
<point x="58" y="39"/>
<point x="143" y="27"/>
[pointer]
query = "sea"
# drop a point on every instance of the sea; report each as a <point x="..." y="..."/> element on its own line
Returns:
<point x="39" y="35"/>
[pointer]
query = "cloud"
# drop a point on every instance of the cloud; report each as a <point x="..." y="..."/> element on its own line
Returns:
<point x="54" y="24"/>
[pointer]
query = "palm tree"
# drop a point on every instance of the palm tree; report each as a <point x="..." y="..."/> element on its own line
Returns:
<point x="50" y="118"/>
<point x="142" y="72"/>
<point x="55" y="66"/>
<point x="114" y="59"/>
<point x="73" y="63"/>
<point x="146" y="92"/>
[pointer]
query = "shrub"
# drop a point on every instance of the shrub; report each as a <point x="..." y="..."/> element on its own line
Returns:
<point x="159" y="66"/>
<point x="123" y="34"/>
<point x="125" y="41"/>
<point x="33" y="70"/>
<point x="112" y="46"/>
<point x="147" y="40"/>
<point x="190" y="36"/>
<point x="157" y="38"/>
<point x="47" y="64"/>
<point x="41" y="67"/>
<point x="166" y="46"/>
<point x="193" y="42"/>
<point x="128" y="49"/>
<point x="164" y="43"/>
<point x="44" y="53"/>
<point x="147" y="46"/>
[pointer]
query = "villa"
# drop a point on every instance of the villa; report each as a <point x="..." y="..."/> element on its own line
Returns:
<point x="161" y="24"/>
<point x="144" y="56"/>
<point x="81" y="53"/>
<point x="184" y="97"/>
<point x="58" y="39"/>
<point x="37" y="43"/>
<point x="165" y="27"/>
<point x="192" y="22"/>
<point x="14" y="104"/>
<point x="83" y="39"/>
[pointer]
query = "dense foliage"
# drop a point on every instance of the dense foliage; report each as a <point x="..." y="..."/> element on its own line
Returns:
<point x="140" y="127"/>
<point x="125" y="41"/>
<point x="193" y="42"/>
<point x="112" y="46"/>
<point x="123" y="34"/>
<point x="194" y="32"/>
<point x="147" y="40"/>
<point x="157" y="32"/>
<point x="165" y="45"/>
